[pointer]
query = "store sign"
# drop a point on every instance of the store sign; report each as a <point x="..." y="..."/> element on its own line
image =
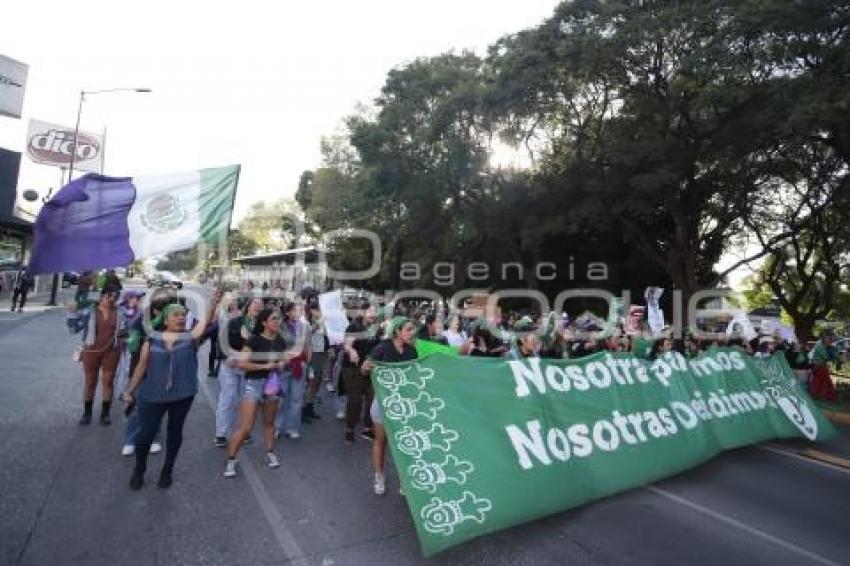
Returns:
<point x="50" y="144"/>
<point x="13" y="83"/>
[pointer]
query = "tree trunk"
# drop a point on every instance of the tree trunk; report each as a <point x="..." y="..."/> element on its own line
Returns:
<point x="803" y="326"/>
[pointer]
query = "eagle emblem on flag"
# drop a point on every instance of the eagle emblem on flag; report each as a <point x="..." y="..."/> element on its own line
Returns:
<point x="163" y="213"/>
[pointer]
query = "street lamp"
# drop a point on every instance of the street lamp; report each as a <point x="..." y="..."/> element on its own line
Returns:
<point x="83" y="94"/>
<point x="55" y="287"/>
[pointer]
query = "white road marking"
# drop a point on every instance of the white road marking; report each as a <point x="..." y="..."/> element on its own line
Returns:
<point x="788" y="454"/>
<point x="285" y="538"/>
<point x="743" y="526"/>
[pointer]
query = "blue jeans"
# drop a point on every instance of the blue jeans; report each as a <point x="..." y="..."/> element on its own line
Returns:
<point x="226" y="414"/>
<point x="134" y="427"/>
<point x="289" y="411"/>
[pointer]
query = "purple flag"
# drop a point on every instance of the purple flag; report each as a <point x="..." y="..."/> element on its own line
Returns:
<point x="84" y="226"/>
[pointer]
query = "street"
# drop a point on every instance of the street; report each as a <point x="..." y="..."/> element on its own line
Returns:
<point x="64" y="497"/>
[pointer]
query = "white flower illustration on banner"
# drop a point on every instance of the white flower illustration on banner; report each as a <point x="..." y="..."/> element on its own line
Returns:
<point x="416" y="442"/>
<point x="397" y="408"/>
<point x="442" y="517"/>
<point x="428" y="476"/>
<point x="783" y="391"/>
<point x="393" y="378"/>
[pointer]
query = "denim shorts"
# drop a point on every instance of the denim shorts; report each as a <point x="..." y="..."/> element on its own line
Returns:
<point x="375" y="412"/>
<point x="254" y="390"/>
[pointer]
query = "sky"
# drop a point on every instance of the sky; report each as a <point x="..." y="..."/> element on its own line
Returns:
<point x="255" y="83"/>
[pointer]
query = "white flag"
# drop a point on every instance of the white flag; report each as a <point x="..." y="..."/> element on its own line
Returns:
<point x="334" y="316"/>
<point x="654" y="315"/>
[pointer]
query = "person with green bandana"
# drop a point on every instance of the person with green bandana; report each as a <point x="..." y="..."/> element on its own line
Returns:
<point x="821" y="385"/>
<point x="524" y="343"/>
<point x="133" y="340"/>
<point x="398" y="348"/>
<point x="361" y="336"/>
<point x="637" y="328"/>
<point x="239" y="331"/>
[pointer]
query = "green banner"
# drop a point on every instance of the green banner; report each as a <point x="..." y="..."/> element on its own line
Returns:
<point x="426" y="348"/>
<point x="483" y="444"/>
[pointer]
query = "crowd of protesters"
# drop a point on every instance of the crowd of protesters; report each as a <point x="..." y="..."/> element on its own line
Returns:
<point x="274" y="362"/>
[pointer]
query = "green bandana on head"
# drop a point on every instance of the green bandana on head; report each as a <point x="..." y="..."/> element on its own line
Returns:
<point x="159" y="320"/>
<point x="396" y="323"/>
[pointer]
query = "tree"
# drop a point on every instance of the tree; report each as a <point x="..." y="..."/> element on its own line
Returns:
<point x="662" y="133"/>
<point x="805" y="270"/>
<point x="271" y="226"/>
<point x="636" y="109"/>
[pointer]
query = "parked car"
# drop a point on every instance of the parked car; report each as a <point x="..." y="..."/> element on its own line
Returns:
<point x="165" y="279"/>
<point x="69" y="278"/>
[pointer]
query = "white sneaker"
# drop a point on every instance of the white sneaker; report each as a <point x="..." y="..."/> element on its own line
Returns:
<point x="271" y="460"/>
<point x="331" y="388"/>
<point x="156" y="448"/>
<point x="340" y="415"/>
<point x="128" y="450"/>
<point x="230" y="469"/>
<point x="293" y="434"/>
<point x="380" y="484"/>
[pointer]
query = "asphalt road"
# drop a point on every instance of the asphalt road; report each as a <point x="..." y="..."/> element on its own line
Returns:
<point x="64" y="496"/>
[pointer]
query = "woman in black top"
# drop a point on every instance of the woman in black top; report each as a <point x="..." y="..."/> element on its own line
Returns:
<point x="397" y="349"/>
<point x="263" y="355"/>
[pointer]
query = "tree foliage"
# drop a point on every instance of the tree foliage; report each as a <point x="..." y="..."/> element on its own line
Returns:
<point x="660" y="134"/>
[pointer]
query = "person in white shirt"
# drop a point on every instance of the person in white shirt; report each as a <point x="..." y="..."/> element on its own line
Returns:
<point x="454" y="335"/>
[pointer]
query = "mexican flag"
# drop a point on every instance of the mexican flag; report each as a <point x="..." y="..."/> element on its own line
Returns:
<point x="98" y="222"/>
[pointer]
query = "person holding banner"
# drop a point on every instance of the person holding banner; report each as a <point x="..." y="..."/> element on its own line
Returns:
<point x="821" y="385"/>
<point x="361" y="337"/>
<point x="525" y="343"/>
<point x="398" y="348"/>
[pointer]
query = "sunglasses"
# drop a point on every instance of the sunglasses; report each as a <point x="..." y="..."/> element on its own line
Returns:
<point x="275" y="318"/>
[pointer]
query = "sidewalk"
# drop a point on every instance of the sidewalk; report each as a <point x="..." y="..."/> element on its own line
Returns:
<point x="36" y="302"/>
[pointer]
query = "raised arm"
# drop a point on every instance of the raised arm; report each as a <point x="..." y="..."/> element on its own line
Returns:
<point x="200" y="328"/>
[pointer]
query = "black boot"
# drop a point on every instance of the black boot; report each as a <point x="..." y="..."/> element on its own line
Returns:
<point x="311" y="409"/>
<point x="164" y="478"/>
<point x="86" y="420"/>
<point x="137" y="480"/>
<point x="104" y="413"/>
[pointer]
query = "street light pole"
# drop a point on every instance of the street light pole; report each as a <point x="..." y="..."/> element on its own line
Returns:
<point x="76" y="134"/>
<point x="55" y="288"/>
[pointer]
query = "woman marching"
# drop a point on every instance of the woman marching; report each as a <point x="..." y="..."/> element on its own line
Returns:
<point x="396" y="349"/>
<point x="263" y="357"/>
<point x="318" y="362"/>
<point x="133" y="341"/>
<point x="101" y="352"/>
<point x="293" y="378"/>
<point x="166" y="381"/>
<point x="239" y="330"/>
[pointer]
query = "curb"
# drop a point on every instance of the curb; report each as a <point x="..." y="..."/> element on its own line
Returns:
<point x="826" y="458"/>
<point x="836" y="417"/>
